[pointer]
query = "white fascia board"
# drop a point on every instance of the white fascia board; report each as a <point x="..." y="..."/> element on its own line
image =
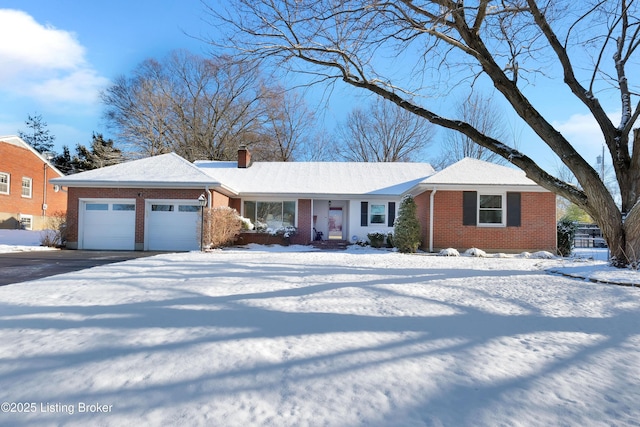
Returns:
<point x="317" y="196"/>
<point x="144" y="184"/>
<point x="421" y="188"/>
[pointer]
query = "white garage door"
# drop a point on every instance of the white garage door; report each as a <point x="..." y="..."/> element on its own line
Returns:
<point x="109" y="224"/>
<point x="172" y="226"/>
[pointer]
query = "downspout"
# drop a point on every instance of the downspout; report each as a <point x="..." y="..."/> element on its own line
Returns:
<point x="431" y="200"/>
<point x="206" y="188"/>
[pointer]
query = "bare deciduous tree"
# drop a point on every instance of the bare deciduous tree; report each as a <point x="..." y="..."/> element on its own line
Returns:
<point x="482" y="113"/>
<point x="287" y="128"/>
<point x="406" y="49"/>
<point x="383" y="132"/>
<point x="204" y="108"/>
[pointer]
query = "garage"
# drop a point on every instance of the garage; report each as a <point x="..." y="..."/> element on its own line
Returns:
<point x="108" y="224"/>
<point x="172" y="225"/>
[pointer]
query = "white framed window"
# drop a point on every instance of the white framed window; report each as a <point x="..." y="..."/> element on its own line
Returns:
<point x="491" y="210"/>
<point x="4" y="183"/>
<point x="377" y="214"/>
<point x="27" y="187"/>
<point x="270" y="215"/>
<point x="26" y="222"/>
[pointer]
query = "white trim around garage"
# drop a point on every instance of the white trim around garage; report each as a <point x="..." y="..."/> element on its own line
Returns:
<point x="107" y="224"/>
<point x="171" y="225"/>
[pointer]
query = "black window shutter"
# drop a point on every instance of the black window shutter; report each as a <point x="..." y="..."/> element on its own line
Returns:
<point x="513" y="209"/>
<point x="392" y="213"/>
<point x="364" y="213"/>
<point x="469" y="207"/>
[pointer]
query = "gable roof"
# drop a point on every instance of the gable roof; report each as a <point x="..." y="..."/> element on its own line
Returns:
<point x="473" y="172"/>
<point x="166" y="171"/>
<point x="19" y="142"/>
<point x="318" y="178"/>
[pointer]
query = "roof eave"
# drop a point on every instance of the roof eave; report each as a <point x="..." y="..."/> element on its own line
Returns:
<point x="425" y="186"/>
<point x="137" y="184"/>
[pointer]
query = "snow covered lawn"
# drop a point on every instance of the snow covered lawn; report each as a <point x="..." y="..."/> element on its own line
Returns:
<point x="292" y="338"/>
<point x="22" y="240"/>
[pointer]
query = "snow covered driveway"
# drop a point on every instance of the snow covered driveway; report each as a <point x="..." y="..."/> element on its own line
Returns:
<point x="249" y="337"/>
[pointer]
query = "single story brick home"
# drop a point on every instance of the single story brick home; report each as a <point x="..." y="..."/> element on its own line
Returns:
<point x="152" y="203"/>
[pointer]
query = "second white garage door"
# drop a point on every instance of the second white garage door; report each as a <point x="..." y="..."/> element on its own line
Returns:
<point x="172" y="225"/>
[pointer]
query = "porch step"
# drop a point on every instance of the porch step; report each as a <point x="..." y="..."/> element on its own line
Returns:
<point x="328" y="245"/>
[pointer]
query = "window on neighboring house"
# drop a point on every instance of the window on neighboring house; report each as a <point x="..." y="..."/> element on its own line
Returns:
<point x="377" y="214"/>
<point x="4" y="183"/>
<point x="27" y="187"/>
<point x="26" y="222"/>
<point x="272" y="215"/>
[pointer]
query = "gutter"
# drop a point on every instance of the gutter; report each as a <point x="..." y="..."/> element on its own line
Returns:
<point x="431" y="200"/>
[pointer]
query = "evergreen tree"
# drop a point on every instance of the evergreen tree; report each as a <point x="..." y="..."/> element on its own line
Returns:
<point x="38" y="136"/>
<point x="101" y="153"/>
<point x="406" y="233"/>
<point x="63" y="161"/>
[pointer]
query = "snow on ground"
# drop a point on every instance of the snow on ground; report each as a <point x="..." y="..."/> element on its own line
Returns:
<point x="21" y="241"/>
<point x="274" y="337"/>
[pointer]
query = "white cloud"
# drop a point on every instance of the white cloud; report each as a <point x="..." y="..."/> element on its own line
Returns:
<point x="583" y="132"/>
<point x="44" y="63"/>
<point x="82" y="86"/>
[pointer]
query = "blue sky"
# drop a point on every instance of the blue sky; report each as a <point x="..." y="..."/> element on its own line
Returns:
<point x="62" y="53"/>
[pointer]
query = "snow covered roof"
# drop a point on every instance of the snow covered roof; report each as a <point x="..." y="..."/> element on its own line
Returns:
<point x="300" y="179"/>
<point x="166" y="170"/>
<point x="319" y="178"/>
<point x="473" y="172"/>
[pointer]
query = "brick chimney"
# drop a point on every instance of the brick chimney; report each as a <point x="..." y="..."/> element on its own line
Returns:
<point x="244" y="157"/>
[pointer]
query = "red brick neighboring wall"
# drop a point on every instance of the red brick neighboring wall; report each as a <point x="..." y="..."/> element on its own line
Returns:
<point x="537" y="230"/>
<point x="140" y="195"/>
<point x="20" y="162"/>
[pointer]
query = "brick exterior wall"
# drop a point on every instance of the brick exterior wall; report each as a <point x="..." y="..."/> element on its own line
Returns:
<point x="236" y="204"/>
<point x="537" y="230"/>
<point x="139" y="194"/>
<point x="303" y="236"/>
<point x="21" y="162"/>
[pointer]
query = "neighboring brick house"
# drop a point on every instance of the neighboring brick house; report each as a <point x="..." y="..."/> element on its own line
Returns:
<point x="27" y="200"/>
<point x="152" y="203"/>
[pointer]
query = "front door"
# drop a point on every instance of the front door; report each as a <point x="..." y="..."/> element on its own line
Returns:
<point x="335" y="223"/>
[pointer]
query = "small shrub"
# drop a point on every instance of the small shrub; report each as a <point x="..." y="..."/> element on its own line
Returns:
<point x="390" y="240"/>
<point x="475" y="252"/>
<point x="542" y="255"/>
<point x="566" y="234"/>
<point x="222" y="226"/>
<point x="449" y="252"/>
<point x="376" y="239"/>
<point x="246" y="224"/>
<point x="56" y="233"/>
